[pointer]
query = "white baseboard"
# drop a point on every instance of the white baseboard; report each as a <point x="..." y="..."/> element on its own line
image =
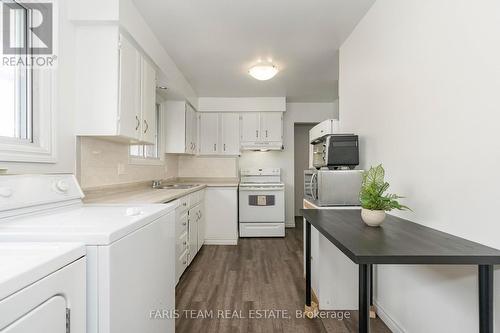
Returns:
<point x="220" y="242"/>
<point x="391" y="323"/>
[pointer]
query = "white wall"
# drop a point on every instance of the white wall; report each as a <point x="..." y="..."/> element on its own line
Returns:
<point x="419" y="82"/>
<point x="296" y="113"/>
<point x="64" y="105"/>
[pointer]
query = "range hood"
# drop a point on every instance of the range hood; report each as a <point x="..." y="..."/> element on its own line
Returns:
<point x="262" y="146"/>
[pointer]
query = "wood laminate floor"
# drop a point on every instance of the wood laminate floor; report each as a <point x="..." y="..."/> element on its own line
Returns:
<point x="226" y="289"/>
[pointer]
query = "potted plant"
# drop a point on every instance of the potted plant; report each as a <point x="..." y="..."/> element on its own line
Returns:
<point x="374" y="203"/>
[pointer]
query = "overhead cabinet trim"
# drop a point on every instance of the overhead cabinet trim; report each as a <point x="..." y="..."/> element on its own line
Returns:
<point x="242" y="104"/>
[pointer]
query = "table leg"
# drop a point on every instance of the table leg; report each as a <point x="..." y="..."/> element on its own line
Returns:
<point x="308" y="263"/>
<point x="364" y="298"/>
<point x="485" y="298"/>
<point x="373" y="313"/>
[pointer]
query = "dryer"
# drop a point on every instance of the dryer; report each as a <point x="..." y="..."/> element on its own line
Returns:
<point x="42" y="288"/>
<point x="130" y="249"/>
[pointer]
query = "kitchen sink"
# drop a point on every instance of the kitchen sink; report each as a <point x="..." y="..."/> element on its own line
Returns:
<point x="178" y="186"/>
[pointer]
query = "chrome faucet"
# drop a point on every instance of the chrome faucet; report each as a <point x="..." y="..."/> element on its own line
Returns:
<point x="156" y="184"/>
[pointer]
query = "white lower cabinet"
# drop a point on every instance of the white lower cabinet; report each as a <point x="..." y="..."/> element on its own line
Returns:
<point x="193" y="232"/>
<point x="221" y="213"/>
<point x="189" y="230"/>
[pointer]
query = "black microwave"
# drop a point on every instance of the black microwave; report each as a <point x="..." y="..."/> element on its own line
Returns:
<point x="336" y="151"/>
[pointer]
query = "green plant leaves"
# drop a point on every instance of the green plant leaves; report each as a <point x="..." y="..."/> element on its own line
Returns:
<point x="372" y="191"/>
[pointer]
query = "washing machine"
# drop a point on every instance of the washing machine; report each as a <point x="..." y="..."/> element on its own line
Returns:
<point x="42" y="288"/>
<point x="130" y="249"/>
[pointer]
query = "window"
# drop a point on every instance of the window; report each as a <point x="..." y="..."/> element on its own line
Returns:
<point x="16" y="116"/>
<point x="149" y="154"/>
<point x="27" y="95"/>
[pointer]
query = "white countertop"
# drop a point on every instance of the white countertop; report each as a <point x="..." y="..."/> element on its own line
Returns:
<point x="144" y="193"/>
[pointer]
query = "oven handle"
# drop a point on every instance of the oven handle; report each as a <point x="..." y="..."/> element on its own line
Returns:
<point x="311" y="185"/>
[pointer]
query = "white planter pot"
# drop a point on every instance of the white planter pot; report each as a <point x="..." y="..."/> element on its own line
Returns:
<point x="373" y="218"/>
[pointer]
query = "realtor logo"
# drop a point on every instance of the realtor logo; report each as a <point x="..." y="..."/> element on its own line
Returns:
<point x="28" y="33"/>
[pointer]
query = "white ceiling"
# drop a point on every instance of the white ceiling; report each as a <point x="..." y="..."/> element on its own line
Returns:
<point x="214" y="42"/>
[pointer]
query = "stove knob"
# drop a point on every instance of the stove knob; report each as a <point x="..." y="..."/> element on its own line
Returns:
<point x="5" y="192"/>
<point x="62" y="186"/>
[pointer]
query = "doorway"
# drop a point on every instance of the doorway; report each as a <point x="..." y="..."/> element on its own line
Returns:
<point x="301" y="161"/>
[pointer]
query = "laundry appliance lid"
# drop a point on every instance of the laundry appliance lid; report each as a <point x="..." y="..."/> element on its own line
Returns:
<point x="25" y="263"/>
<point x="91" y="224"/>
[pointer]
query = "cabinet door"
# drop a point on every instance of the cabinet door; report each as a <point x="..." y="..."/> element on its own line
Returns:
<point x="209" y="133"/>
<point x="129" y="121"/>
<point x="271" y="126"/>
<point x="250" y="127"/>
<point x="201" y="225"/>
<point x="148" y="101"/>
<point x="193" y="233"/>
<point x="230" y="140"/>
<point x="191" y="130"/>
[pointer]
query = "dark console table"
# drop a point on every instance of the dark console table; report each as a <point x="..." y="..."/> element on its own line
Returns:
<point x="399" y="241"/>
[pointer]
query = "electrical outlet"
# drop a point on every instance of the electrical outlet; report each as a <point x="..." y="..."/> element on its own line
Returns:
<point x="121" y="169"/>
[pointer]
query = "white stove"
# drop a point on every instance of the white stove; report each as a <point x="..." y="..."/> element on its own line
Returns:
<point x="261" y="203"/>
<point x="130" y="250"/>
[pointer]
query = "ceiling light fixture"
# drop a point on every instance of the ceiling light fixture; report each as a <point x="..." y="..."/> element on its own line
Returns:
<point x="263" y="71"/>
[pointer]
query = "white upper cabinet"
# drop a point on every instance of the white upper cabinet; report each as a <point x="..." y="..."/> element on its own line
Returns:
<point x="230" y="143"/>
<point x="271" y="126"/>
<point x="261" y="130"/>
<point x="116" y="87"/>
<point x="219" y="134"/>
<point x="181" y="128"/>
<point x="191" y="129"/>
<point x="129" y="121"/>
<point x="148" y="97"/>
<point x="250" y="127"/>
<point x="209" y="133"/>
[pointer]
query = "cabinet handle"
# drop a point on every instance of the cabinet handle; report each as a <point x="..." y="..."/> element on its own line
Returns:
<point x="184" y="223"/>
<point x="266" y="133"/>
<point x="147" y="126"/>
<point x="184" y="262"/>
<point x="224" y="147"/>
<point x="215" y="147"/>
<point x="257" y="133"/>
<point x="184" y="243"/>
<point x="138" y="123"/>
<point x="184" y="204"/>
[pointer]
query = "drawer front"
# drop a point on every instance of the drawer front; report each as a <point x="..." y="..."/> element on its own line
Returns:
<point x="181" y="264"/>
<point x="181" y="223"/>
<point x="262" y="229"/>
<point x="181" y="245"/>
<point x="194" y="198"/>
<point x="184" y="203"/>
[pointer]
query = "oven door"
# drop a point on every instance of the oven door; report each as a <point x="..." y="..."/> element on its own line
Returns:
<point x="262" y="204"/>
<point x="319" y="154"/>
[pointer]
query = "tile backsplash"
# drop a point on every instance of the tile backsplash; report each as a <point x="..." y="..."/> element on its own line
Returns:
<point x="103" y="163"/>
<point x="200" y="167"/>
